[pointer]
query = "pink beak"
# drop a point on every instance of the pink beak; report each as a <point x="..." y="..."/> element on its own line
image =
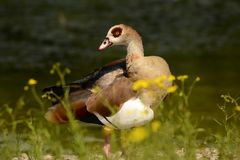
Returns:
<point x="105" y="44"/>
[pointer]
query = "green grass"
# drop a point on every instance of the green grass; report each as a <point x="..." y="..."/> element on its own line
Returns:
<point x="24" y="130"/>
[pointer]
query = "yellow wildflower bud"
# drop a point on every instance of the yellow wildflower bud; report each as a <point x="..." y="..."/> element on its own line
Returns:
<point x="44" y="96"/>
<point x="159" y="79"/>
<point x="32" y="82"/>
<point x="137" y="134"/>
<point x="25" y="88"/>
<point x="197" y="79"/>
<point x="171" y="78"/>
<point x="96" y="89"/>
<point x="181" y="94"/>
<point x="67" y="70"/>
<point x="227" y="98"/>
<point x="155" y="125"/>
<point x="237" y="108"/>
<point x="52" y="71"/>
<point x="107" y="130"/>
<point x="140" y="84"/>
<point x="172" y="89"/>
<point x="182" y="77"/>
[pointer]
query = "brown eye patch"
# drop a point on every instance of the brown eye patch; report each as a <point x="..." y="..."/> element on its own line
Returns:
<point x="116" y="32"/>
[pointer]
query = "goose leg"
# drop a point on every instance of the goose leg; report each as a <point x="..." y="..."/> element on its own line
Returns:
<point x="107" y="137"/>
<point x="106" y="147"/>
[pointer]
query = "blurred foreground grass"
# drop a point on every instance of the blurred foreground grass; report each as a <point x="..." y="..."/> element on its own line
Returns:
<point x="173" y="134"/>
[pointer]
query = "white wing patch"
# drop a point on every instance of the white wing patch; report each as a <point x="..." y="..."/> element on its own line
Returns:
<point x="133" y="113"/>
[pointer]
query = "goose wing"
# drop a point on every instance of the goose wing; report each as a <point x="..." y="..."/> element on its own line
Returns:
<point x="101" y="77"/>
<point x="110" y="99"/>
<point x="84" y="104"/>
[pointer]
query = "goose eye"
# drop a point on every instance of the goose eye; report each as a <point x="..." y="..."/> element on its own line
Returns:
<point x="116" y="32"/>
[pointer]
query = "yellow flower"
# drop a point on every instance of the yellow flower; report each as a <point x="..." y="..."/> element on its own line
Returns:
<point x="32" y="82"/>
<point x="160" y="84"/>
<point x="159" y="79"/>
<point x="237" y="108"/>
<point x="140" y="84"/>
<point x="155" y="125"/>
<point x="182" y="77"/>
<point x="197" y="79"/>
<point x="137" y="134"/>
<point x="171" y="78"/>
<point x="172" y="89"/>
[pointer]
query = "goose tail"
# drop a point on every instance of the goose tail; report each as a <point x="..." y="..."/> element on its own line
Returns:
<point x="58" y="114"/>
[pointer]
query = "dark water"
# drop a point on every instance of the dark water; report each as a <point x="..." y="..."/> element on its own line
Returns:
<point x="199" y="38"/>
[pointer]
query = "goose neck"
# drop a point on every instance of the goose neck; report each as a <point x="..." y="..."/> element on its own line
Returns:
<point x="135" y="47"/>
<point x="134" y="50"/>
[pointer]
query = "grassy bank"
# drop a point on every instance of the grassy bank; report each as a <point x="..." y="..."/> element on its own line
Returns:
<point x="173" y="134"/>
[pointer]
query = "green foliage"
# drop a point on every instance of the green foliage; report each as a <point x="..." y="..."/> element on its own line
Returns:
<point x="173" y="134"/>
<point x="228" y="142"/>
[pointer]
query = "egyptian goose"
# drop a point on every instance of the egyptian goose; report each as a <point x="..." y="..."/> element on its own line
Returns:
<point x="128" y="108"/>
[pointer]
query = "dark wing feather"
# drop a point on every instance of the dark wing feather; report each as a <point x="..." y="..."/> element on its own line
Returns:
<point x="89" y="80"/>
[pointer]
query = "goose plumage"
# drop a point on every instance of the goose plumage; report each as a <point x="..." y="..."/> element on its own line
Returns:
<point x="131" y="108"/>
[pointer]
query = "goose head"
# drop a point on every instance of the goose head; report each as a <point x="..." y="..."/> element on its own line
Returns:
<point x="120" y="34"/>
